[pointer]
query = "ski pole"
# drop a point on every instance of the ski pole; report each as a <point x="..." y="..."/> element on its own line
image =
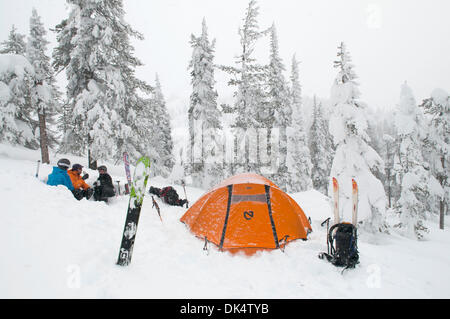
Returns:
<point x="327" y="221"/>
<point x="37" y="170"/>
<point x="187" y="202"/>
<point x="155" y="204"/>
<point x="328" y="242"/>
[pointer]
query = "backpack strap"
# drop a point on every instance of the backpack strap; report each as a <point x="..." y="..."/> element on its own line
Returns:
<point x="331" y="238"/>
<point x="165" y="190"/>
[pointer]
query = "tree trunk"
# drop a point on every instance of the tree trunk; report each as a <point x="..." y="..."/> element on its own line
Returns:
<point x="91" y="162"/>
<point x="283" y="146"/>
<point x="43" y="138"/>
<point x="442" y="180"/>
<point x="389" y="187"/>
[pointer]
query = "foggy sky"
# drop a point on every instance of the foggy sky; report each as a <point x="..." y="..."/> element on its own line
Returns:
<point x="390" y="41"/>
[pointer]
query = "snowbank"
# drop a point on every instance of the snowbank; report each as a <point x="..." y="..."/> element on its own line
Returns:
<point x="57" y="247"/>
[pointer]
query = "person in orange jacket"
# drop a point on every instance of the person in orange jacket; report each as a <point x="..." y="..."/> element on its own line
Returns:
<point x="81" y="188"/>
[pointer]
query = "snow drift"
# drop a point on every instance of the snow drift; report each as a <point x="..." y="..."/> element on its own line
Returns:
<point x="57" y="247"/>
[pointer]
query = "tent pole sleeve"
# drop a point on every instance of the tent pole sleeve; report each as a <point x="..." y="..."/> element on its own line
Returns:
<point x="230" y="194"/>
<point x="269" y="206"/>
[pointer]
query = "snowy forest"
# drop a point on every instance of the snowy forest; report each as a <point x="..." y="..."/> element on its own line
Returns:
<point x="399" y="157"/>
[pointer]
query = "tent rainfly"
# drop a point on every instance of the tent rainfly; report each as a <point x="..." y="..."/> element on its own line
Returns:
<point x="247" y="212"/>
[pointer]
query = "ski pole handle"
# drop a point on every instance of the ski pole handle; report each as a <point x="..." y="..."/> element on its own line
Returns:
<point x="325" y="221"/>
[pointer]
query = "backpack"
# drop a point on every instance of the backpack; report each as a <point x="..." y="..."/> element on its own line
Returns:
<point x="342" y="246"/>
<point x="169" y="195"/>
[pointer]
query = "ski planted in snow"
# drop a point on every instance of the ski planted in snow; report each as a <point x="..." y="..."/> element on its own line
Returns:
<point x="336" y="200"/>
<point x="342" y="248"/>
<point x="354" y="202"/>
<point x="138" y="186"/>
<point x="127" y="172"/>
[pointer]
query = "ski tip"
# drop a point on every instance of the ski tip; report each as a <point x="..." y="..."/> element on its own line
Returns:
<point x="145" y="160"/>
<point x="335" y="183"/>
<point x="354" y="184"/>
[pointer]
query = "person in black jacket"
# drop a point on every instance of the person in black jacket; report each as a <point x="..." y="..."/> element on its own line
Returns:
<point x="103" y="186"/>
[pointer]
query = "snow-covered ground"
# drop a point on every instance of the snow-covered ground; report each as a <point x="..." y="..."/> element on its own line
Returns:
<point x="56" y="247"/>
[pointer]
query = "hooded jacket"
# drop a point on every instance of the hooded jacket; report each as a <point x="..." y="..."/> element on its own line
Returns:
<point x="77" y="181"/>
<point x="59" y="177"/>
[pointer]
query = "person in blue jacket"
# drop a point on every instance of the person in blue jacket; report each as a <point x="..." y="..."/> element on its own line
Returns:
<point x="59" y="176"/>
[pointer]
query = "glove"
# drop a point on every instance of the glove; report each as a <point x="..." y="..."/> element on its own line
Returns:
<point x="85" y="176"/>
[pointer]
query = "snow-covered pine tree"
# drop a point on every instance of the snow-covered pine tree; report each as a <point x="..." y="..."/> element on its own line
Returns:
<point x="392" y="188"/>
<point x="16" y="115"/>
<point x="249" y="78"/>
<point x="15" y="43"/>
<point x="148" y="130"/>
<point x="20" y="86"/>
<point x="277" y="111"/>
<point x="416" y="180"/>
<point x="298" y="154"/>
<point x="437" y="107"/>
<point x="45" y="98"/>
<point x="321" y="149"/>
<point x="354" y="158"/>
<point x="162" y="132"/>
<point x="66" y="123"/>
<point x="85" y="63"/>
<point x="374" y="131"/>
<point x="94" y="48"/>
<point x="205" y="166"/>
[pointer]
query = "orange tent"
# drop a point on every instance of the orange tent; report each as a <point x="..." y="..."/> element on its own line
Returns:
<point x="247" y="212"/>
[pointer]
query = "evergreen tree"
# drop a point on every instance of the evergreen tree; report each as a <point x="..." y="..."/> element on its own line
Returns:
<point x="249" y="78"/>
<point x="278" y="112"/>
<point x="321" y="148"/>
<point x="15" y="43"/>
<point x="374" y="131"/>
<point x="44" y="94"/>
<point x="299" y="158"/>
<point x="204" y="116"/>
<point x="354" y="158"/>
<point x="162" y="132"/>
<point x="148" y="129"/>
<point x="391" y="187"/>
<point x="20" y="85"/>
<point x="413" y="203"/>
<point x="103" y="92"/>
<point x="437" y="107"/>
<point x="16" y="116"/>
<point x="66" y="122"/>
